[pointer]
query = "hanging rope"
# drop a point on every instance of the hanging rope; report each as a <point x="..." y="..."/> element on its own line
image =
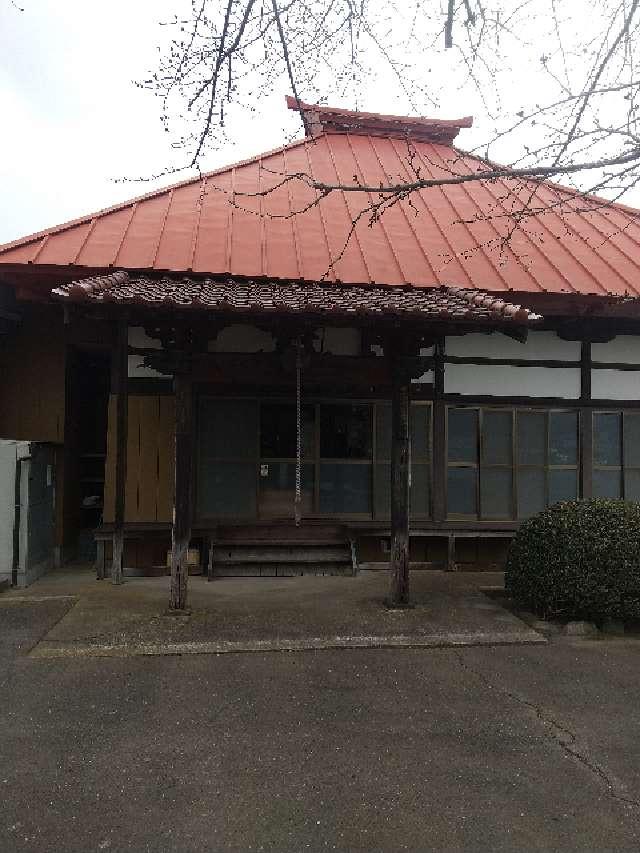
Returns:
<point x="298" y="498"/>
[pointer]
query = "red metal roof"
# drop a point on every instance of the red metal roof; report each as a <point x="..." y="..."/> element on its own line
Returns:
<point x="279" y="297"/>
<point x="439" y="235"/>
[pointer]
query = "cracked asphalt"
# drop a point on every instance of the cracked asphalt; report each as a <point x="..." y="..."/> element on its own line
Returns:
<point x="511" y="748"/>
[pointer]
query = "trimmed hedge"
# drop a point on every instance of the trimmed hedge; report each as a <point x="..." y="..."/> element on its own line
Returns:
<point x="578" y="560"/>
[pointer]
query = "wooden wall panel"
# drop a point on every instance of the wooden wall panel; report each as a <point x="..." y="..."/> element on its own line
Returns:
<point x="149" y="485"/>
<point x="32" y="370"/>
<point x="166" y="437"/>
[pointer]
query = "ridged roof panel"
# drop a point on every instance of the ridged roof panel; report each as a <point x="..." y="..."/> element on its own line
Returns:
<point x="459" y="234"/>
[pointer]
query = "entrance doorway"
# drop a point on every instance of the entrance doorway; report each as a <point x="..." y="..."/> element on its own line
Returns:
<point x="246" y="461"/>
<point x="278" y="452"/>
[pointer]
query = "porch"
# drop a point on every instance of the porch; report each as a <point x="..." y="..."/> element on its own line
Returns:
<point x="285" y="430"/>
<point x="236" y="614"/>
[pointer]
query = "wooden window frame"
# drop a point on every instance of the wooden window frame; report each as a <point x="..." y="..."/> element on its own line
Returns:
<point x="546" y="467"/>
<point x="317" y="402"/>
<point x="622" y="468"/>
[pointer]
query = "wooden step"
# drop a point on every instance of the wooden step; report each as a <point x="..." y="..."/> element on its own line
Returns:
<point x="281" y="532"/>
<point x="241" y="553"/>
<point x="278" y="570"/>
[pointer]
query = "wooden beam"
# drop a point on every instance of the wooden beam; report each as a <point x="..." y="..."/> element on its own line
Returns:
<point x="119" y="375"/>
<point x="400" y="483"/>
<point x="182" y="505"/>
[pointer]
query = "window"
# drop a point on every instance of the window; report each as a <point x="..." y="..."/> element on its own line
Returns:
<point x="420" y="425"/>
<point x="345" y="458"/>
<point x="547" y="470"/>
<point x="505" y="463"/>
<point x="616" y="455"/>
<point x="227" y="452"/>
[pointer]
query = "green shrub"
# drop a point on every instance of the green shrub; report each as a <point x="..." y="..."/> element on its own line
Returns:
<point x="578" y="560"/>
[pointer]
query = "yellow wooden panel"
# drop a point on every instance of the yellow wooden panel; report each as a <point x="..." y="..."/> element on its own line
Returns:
<point x="150" y="438"/>
<point x="133" y="462"/>
<point x="148" y="467"/>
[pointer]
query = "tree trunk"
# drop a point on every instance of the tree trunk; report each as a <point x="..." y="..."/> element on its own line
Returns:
<point x="181" y="530"/>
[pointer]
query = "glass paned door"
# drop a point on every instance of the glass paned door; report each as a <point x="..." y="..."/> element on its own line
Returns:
<point x="277" y="468"/>
<point x="227" y="448"/>
<point x="346" y="451"/>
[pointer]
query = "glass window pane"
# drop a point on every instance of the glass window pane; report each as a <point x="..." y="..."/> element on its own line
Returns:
<point x="383" y="490"/>
<point x="420" y="432"/>
<point x="607" y="484"/>
<point x="497" y="442"/>
<point x="383" y="432"/>
<point x="226" y="488"/>
<point x="632" y="485"/>
<point x="632" y="439"/>
<point x="495" y="492"/>
<point x="278" y="431"/>
<point x="345" y="488"/>
<point x="419" y="425"/>
<point x="563" y="438"/>
<point x="606" y="438"/>
<point x="462" y="435"/>
<point x="461" y="491"/>
<point x="531" y="498"/>
<point x="563" y="485"/>
<point x="228" y="428"/>
<point x="345" y="431"/>
<point x="278" y="488"/>
<point x="532" y="438"/>
<point x="420" y="486"/>
<point x="420" y="489"/>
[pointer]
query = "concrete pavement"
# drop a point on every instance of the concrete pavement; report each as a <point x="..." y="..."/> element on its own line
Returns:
<point x="514" y="748"/>
<point x="258" y="614"/>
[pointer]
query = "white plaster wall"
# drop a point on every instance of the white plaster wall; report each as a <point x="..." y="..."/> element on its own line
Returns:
<point x="615" y="384"/>
<point x="623" y="348"/>
<point x="135" y="365"/>
<point x="508" y="381"/>
<point x="242" y="338"/>
<point x="538" y="345"/>
<point x="426" y="377"/>
<point x="139" y="338"/>
<point x="137" y="370"/>
<point x="338" y="340"/>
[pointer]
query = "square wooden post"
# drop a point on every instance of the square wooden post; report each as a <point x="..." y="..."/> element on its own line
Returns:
<point x="181" y="529"/>
<point x="119" y="376"/>
<point x="400" y="484"/>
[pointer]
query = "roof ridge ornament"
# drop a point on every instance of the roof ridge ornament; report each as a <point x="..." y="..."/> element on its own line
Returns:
<point x="319" y="119"/>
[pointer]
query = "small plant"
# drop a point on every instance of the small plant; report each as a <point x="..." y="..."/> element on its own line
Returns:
<point x="578" y="560"/>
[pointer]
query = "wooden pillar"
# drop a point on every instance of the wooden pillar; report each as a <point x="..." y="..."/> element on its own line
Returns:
<point x="181" y="530"/>
<point x="119" y="376"/>
<point x="439" y="507"/>
<point x="400" y="473"/>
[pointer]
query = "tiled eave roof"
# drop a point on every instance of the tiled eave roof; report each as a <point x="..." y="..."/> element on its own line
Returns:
<point x="446" y="303"/>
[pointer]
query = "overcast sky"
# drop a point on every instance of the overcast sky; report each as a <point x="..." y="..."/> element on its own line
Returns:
<point x="73" y="124"/>
<point x="72" y="121"/>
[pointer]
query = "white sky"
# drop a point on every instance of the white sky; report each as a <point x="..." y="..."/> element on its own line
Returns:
<point x="73" y="124"/>
<point x="71" y="119"/>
